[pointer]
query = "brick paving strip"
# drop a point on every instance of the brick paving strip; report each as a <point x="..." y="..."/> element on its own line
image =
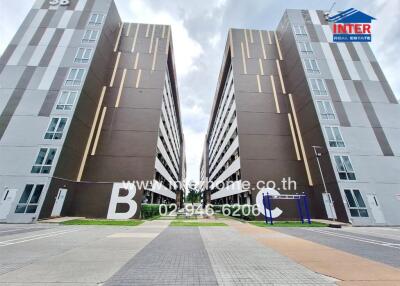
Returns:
<point x="347" y="268"/>
<point x="212" y="256"/>
<point x="175" y="257"/>
<point x="238" y="259"/>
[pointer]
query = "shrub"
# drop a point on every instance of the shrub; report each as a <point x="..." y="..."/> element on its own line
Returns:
<point x="244" y="212"/>
<point x="152" y="210"/>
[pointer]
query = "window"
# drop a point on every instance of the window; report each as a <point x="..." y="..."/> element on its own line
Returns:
<point x="90" y="36"/>
<point x="318" y="87"/>
<point x="305" y="48"/>
<point x="44" y="161"/>
<point x="356" y="203"/>
<point x="344" y="168"/>
<point x="311" y="65"/>
<point x="66" y="100"/>
<point x="96" y="19"/>
<point x="29" y="200"/>
<point x="83" y="55"/>
<point x="334" y="137"/>
<point x="56" y="128"/>
<point x="75" y="77"/>
<point x="325" y="109"/>
<point x="300" y="30"/>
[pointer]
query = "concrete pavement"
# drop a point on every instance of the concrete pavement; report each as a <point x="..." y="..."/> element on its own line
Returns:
<point x="155" y="254"/>
<point x="176" y="257"/>
<point x="347" y="268"/>
<point x="378" y="244"/>
<point x="71" y="255"/>
<point x="239" y="259"/>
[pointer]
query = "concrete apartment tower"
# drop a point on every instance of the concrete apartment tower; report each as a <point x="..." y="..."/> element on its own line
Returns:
<point x="87" y="102"/>
<point x="282" y="92"/>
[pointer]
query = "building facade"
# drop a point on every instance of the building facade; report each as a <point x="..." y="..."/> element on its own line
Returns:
<point x="87" y="102"/>
<point x="291" y="100"/>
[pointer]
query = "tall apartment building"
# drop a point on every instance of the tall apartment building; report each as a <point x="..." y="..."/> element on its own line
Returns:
<point x="282" y="93"/>
<point x="87" y="102"/>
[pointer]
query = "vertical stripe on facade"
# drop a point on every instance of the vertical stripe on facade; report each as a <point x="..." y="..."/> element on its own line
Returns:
<point x="243" y="59"/>
<point x="386" y="87"/>
<point x="135" y="38"/>
<point x="96" y="139"/>
<point x="89" y="141"/>
<point x="339" y="61"/>
<point x="278" y="46"/>
<point x="121" y="86"/>
<point x="52" y="94"/>
<point x="118" y="37"/>
<point x="337" y="103"/>
<point x="292" y="132"/>
<point x="303" y="151"/>
<point x="51" y="48"/>
<point x="15" y="99"/>
<point x="373" y="119"/>
<point x="278" y="110"/>
<point x="115" y="69"/>
<point x="262" y="45"/>
<point x="6" y="56"/>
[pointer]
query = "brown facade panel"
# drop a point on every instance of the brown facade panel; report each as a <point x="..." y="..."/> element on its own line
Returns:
<point x="267" y="147"/>
<point x="259" y="102"/>
<point x="274" y="170"/>
<point x="249" y="123"/>
<point x="119" y="168"/>
<point x="127" y="143"/>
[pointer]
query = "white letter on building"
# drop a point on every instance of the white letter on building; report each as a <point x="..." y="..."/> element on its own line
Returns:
<point x="117" y="199"/>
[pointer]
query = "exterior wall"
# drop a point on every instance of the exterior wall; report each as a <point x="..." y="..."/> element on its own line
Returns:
<point x="273" y="146"/>
<point x="265" y="138"/>
<point x="113" y="127"/>
<point x="365" y="109"/>
<point x="309" y="124"/>
<point x="266" y="143"/>
<point x="34" y="68"/>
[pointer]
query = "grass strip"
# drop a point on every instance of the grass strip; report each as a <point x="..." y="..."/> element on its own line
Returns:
<point x="288" y="224"/>
<point x="128" y="222"/>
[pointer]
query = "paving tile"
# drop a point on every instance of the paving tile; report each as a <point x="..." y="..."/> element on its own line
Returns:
<point x="175" y="257"/>
<point x="239" y="259"/>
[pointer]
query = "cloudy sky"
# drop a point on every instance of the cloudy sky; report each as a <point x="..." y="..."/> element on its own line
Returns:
<point x="199" y="30"/>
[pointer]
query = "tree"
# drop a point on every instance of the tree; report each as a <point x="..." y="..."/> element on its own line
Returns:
<point x="193" y="195"/>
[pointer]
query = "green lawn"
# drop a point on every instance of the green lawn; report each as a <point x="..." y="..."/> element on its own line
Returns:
<point x="186" y="218"/>
<point x="288" y="224"/>
<point x="196" y="223"/>
<point x="128" y="222"/>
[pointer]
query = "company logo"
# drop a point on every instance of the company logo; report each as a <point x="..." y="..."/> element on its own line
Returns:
<point x="59" y="2"/>
<point x="351" y="26"/>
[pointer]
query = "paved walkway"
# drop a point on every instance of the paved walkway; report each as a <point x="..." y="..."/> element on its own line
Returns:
<point x="347" y="268"/>
<point x="155" y="254"/>
<point x="69" y="255"/>
<point x="238" y="259"/>
<point x="377" y="244"/>
<point x="211" y="256"/>
<point x="176" y="257"/>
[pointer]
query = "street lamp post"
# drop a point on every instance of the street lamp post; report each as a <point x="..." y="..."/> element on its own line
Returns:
<point x="317" y="155"/>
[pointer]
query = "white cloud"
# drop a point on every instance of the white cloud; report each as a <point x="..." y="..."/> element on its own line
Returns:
<point x="194" y="111"/>
<point x="385" y="42"/>
<point x="194" y="142"/>
<point x="186" y="49"/>
<point x="214" y="40"/>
